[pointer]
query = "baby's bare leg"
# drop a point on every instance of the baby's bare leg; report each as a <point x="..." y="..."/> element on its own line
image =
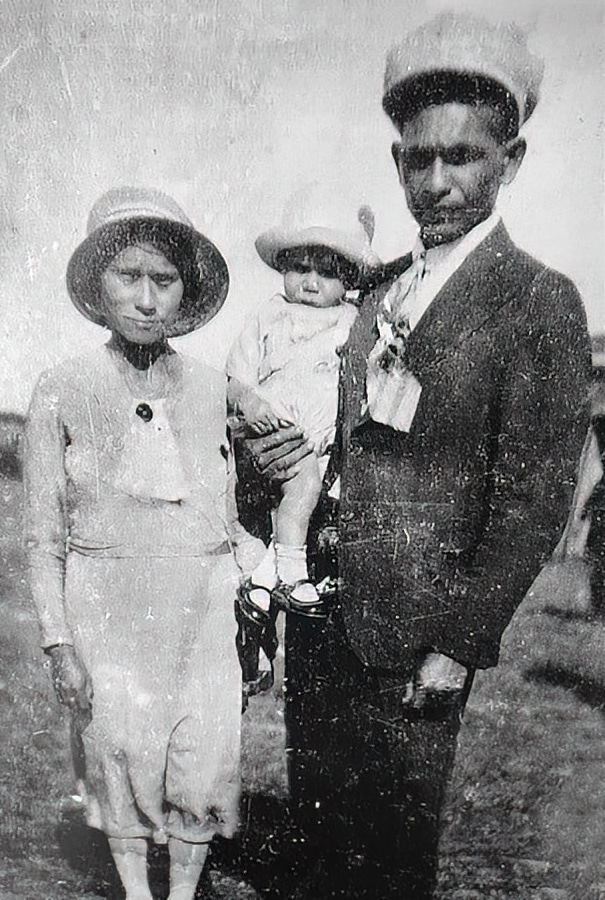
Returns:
<point x="299" y="498"/>
<point x="286" y="557"/>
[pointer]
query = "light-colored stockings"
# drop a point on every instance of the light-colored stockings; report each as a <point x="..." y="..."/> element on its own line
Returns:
<point x="186" y="864"/>
<point x="130" y="857"/>
<point x="265" y="574"/>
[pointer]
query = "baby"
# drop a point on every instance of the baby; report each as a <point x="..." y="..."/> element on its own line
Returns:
<point x="283" y="370"/>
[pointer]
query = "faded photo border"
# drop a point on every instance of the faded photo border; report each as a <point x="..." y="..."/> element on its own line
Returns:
<point x="253" y="114"/>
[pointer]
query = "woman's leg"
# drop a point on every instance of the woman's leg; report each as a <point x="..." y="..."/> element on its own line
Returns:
<point x="130" y="857"/>
<point x="186" y="864"/>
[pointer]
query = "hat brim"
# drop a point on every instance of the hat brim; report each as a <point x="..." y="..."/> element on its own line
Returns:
<point x="437" y="87"/>
<point x="201" y="266"/>
<point x="271" y="243"/>
<point x="459" y="45"/>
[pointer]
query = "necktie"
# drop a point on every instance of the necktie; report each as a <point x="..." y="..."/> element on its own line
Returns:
<point x="403" y="292"/>
<point x="392" y="392"/>
<point x="393" y="315"/>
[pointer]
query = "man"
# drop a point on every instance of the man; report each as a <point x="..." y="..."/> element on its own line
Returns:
<point x="462" y="418"/>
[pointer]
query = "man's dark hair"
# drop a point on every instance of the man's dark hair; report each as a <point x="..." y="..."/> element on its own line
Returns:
<point x="409" y="97"/>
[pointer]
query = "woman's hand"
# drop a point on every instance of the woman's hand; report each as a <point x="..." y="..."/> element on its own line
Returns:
<point x="277" y="455"/>
<point x="70" y="678"/>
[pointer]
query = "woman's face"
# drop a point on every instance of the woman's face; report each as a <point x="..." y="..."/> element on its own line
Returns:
<point x="141" y="292"/>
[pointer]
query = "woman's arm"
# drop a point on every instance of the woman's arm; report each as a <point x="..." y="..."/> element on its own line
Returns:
<point x="46" y="537"/>
<point x="46" y="500"/>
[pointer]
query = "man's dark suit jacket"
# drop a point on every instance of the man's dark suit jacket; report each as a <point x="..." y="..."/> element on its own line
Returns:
<point x="443" y="530"/>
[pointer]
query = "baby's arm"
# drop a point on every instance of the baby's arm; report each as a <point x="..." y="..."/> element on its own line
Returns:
<point x="258" y="414"/>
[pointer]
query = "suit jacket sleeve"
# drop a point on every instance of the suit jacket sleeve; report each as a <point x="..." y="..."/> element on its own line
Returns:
<point x="541" y="425"/>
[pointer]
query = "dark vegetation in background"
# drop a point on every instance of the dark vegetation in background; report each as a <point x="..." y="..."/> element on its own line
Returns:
<point x="11" y="444"/>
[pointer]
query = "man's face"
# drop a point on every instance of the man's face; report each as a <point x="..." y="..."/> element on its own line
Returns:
<point x="451" y="167"/>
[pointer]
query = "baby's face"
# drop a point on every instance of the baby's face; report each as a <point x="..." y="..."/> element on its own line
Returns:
<point x="313" y="281"/>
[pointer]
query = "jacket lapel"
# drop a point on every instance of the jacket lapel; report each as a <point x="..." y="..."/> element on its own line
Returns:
<point x="465" y="304"/>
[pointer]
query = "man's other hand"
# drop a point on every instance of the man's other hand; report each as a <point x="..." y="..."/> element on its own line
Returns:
<point x="70" y="678"/>
<point x="438" y="676"/>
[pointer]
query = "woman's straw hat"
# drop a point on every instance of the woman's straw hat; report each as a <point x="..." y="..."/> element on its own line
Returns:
<point x="131" y="215"/>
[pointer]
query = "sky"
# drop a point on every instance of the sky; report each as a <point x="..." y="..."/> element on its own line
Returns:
<point x="251" y="114"/>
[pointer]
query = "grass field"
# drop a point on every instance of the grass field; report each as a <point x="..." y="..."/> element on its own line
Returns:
<point x="526" y="812"/>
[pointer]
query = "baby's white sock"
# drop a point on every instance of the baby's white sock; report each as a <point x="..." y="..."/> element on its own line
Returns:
<point x="291" y="563"/>
<point x="265" y="574"/>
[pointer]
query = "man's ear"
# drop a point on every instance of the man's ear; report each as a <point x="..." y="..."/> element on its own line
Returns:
<point x="396" y="150"/>
<point x="515" y="151"/>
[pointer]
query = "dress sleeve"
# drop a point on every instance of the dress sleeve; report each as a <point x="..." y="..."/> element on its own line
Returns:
<point x="244" y="359"/>
<point x="46" y="516"/>
<point x="247" y="549"/>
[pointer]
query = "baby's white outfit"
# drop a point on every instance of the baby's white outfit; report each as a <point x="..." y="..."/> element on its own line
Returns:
<point x="287" y="353"/>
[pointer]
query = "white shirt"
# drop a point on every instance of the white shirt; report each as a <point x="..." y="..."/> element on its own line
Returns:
<point x="392" y="391"/>
<point x="440" y="264"/>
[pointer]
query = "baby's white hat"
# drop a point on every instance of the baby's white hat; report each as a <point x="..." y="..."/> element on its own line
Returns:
<point x="304" y="228"/>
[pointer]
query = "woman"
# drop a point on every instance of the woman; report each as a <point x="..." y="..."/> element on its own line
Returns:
<point x="130" y="541"/>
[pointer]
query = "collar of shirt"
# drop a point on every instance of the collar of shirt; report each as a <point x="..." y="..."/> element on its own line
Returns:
<point x="441" y="263"/>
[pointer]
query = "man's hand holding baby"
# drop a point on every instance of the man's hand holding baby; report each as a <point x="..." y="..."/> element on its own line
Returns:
<point x="276" y="455"/>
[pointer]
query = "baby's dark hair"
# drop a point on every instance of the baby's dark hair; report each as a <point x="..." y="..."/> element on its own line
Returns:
<point x="327" y="263"/>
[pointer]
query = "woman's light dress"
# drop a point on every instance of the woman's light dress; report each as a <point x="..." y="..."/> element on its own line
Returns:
<point x="129" y="534"/>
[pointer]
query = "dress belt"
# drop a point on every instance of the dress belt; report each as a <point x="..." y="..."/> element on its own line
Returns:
<point x="126" y="551"/>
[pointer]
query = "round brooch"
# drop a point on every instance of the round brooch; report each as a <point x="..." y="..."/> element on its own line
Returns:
<point x="144" y="412"/>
